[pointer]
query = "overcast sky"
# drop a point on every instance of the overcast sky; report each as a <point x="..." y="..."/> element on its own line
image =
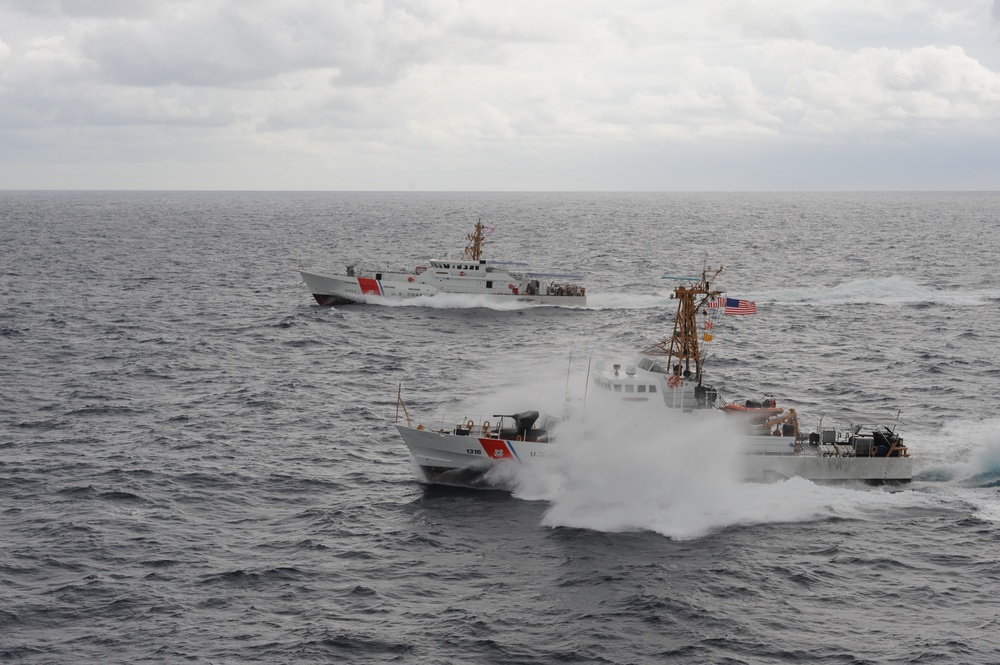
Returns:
<point x="500" y="95"/>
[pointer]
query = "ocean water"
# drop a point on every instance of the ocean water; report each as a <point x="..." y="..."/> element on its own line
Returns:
<point x="198" y="464"/>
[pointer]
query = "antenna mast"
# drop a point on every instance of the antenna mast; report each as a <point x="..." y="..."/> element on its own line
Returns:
<point x="682" y="349"/>
<point x="474" y="250"/>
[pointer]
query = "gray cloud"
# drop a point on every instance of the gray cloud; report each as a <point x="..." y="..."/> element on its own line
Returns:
<point x="365" y="44"/>
<point x="765" y="21"/>
<point x="81" y="8"/>
<point x="238" y="44"/>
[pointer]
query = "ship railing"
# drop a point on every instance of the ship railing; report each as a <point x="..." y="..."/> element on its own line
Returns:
<point x="465" y="425"/>
<point x="361" y="270"/>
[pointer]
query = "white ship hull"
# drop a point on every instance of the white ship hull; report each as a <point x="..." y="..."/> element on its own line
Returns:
<point x="808" y="465"/>
<point x="437" y="453"/>
<point x="441" y="455"/>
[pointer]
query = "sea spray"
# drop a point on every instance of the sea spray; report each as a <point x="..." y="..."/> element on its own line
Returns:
<point x="623" y="468"/>
<point x="965" y="452"/>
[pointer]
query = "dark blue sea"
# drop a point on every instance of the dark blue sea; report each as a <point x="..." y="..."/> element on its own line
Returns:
<point x="199" y="464"/>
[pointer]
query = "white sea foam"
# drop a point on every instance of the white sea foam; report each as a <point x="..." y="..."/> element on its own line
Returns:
<point x="965" y="452"/>
<point x="610" y="300"/>
<point x="895" y="290"/>
<point x="595" y="301"/>
<point x="673" y="474"/>
<point x="453" y="301"/>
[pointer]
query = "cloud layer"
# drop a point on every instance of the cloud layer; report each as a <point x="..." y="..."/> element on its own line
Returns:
<point x="446" y="94"/>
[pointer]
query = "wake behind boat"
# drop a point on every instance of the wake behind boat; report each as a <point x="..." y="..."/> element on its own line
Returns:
<point x="472" y="275"/>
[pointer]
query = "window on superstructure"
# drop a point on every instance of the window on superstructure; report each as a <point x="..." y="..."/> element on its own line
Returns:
<point x="652" y="389"/>
<point x="640" y="389"/>
<point x="630" y="388"/>
<point x="618" y="387"/>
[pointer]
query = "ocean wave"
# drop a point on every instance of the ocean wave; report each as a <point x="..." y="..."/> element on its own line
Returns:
<point x="231" y="469"/>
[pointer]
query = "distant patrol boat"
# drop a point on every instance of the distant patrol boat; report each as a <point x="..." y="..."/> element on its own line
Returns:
<point x="472" y="275"/>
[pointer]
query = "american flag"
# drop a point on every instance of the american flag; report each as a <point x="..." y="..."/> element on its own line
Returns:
<point x="736" y="307"/>
<point x="733" y="306"/>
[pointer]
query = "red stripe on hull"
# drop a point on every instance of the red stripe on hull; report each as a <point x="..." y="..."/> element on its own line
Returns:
<point x="496" y="449"/>
<point x="369" y="286"/>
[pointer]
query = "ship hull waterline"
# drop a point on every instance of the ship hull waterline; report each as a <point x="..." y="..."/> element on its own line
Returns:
<point x="445" y="457"/>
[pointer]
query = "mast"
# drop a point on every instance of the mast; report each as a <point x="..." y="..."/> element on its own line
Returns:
<point x="474" y="250"/>
<point x="682" y="349"/>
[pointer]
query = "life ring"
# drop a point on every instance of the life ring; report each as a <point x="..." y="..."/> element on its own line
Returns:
<point x="409" y="279"/>
<point x="486" y="426"/>
<point x="461" y="274"/>
<point x="674" y="381"/>
<point x="510" y="286"/>
<point x="469" y="425"/>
